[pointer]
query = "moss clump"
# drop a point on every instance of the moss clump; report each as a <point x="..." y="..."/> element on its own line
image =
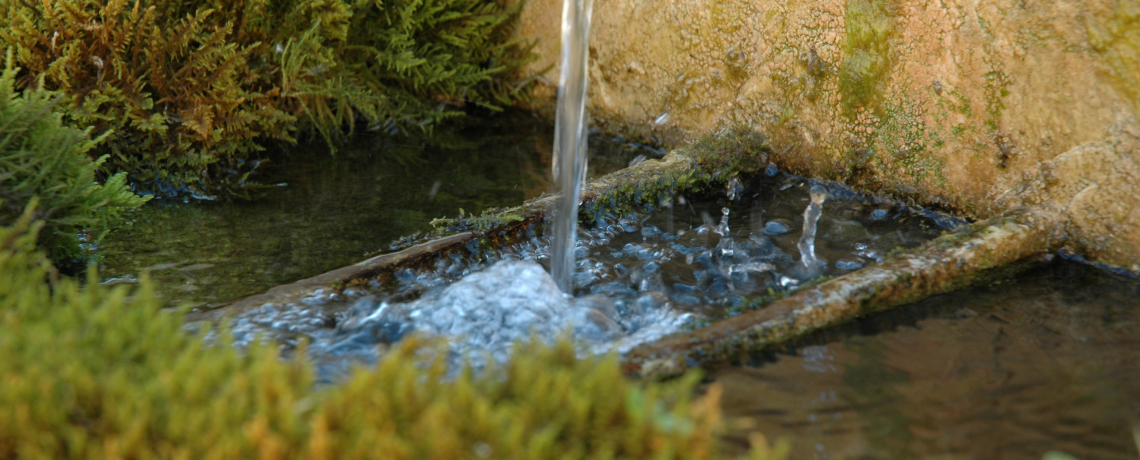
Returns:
<point x="714" y="159"/>
<point x="41" y="156"/>
<point x="488" y="219"/>
<point x="190" y="88"/>
<point x="867" y="53"/>
<point x="99" y="372"/>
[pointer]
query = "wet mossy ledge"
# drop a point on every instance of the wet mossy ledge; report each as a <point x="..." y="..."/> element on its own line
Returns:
<point x="93" y="372"/>
<point x="183" y="93"/>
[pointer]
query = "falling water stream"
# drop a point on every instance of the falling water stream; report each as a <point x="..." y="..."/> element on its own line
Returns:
<point x="569" y="164"/>
<point x="811" y="264"/>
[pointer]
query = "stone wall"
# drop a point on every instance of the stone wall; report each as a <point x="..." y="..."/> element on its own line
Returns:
<point x="976" y="107"/>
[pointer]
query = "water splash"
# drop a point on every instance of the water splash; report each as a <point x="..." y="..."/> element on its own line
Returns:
<point x="808" y="261"/>
<point x="569" y="166"/>
<point x="639" y="275"/>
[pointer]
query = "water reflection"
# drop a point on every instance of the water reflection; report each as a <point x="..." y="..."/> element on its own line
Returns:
<point x="1047" y="361"/>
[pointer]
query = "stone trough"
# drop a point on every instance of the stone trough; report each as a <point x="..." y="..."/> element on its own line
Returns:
<point x="971" y="254"/>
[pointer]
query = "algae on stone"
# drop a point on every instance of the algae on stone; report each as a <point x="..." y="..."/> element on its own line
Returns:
<point x="867" y="52"/>
<point x="1117" y="39"/>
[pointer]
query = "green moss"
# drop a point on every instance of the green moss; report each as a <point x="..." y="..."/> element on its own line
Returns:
<point x="904" y="135"/>
<point x="995" y="93"/>
<point x="867" y="52"/>
<point x="93" y="372"/>
<point x="45" y="160"/>
<point x="1117" y="40"/>
<point x="189" y="89"/>
<point x="490" y="218"/>
<point x="715" y="159"/>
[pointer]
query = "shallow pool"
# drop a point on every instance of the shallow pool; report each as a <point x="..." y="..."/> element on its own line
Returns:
<point x="321" y="211"/>
<point x="1048" y="360"/>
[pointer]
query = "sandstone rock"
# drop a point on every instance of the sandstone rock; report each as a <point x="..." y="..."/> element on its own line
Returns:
<point x="979" y="108"/>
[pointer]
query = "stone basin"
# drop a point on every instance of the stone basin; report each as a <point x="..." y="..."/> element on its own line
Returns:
<point x="970" y="254"/>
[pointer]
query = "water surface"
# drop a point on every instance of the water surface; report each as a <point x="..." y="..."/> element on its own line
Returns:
<point x="1049" y="360"/>
<point x="325" y="211"/>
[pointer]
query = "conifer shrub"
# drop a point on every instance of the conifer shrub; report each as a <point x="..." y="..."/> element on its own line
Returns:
<point x="41" y="156"/>
<point x="189" y="89"/>
<point x="92" y="372"/>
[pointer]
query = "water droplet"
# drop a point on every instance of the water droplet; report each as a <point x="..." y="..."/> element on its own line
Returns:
<point x="636" y="160"/>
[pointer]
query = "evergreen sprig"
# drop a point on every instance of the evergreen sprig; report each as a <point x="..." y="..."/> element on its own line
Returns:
<point x="43" y="158"/>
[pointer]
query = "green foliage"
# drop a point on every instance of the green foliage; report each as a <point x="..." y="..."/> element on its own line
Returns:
<point x="95" y="372"/>
<point x="41" y="156"/>
<point x="192" y="87"/>
<point x="490" y="218"/>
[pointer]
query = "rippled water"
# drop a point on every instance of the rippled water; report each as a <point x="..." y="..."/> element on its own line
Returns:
<point x="637" y="277"/>
<point x="1049" y="360"/>
<point x="712" y="254"/>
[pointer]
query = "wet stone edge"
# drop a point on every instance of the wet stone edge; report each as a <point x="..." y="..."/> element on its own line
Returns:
<point x="973" y="254"/>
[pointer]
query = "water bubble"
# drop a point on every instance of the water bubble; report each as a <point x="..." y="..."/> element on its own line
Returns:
<point x="733" y="189"/>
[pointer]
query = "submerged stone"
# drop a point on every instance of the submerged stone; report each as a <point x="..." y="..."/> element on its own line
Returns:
<point x="775" y="228"/>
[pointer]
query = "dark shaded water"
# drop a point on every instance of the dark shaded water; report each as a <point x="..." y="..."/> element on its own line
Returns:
<point x="1049" y="360"/>
<point x="331" y="211"/>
